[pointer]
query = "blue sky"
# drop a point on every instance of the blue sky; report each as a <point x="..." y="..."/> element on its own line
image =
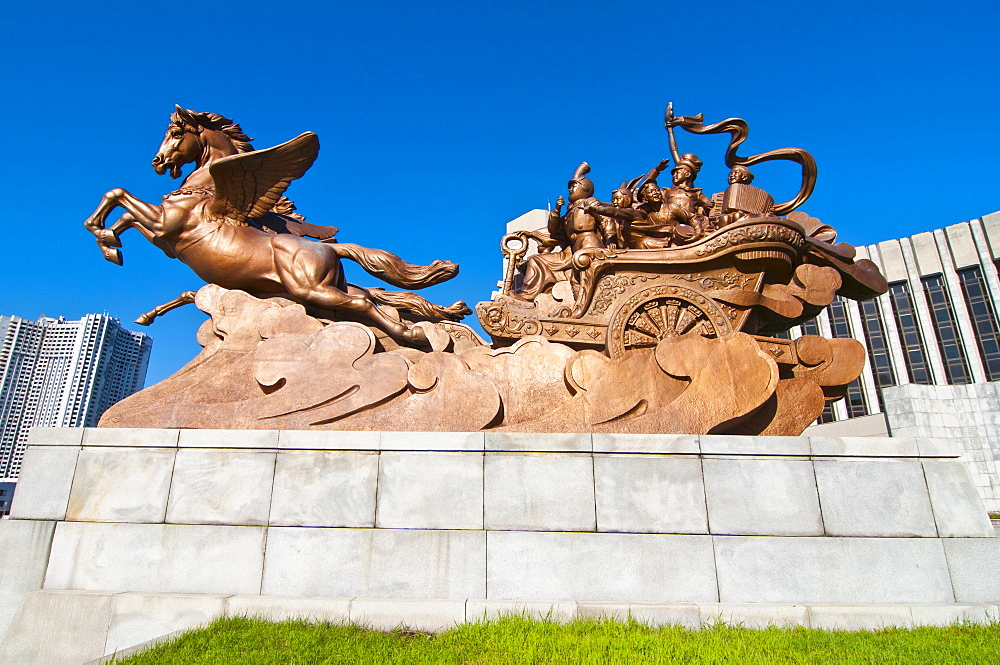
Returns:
<point x="439" y="122"/>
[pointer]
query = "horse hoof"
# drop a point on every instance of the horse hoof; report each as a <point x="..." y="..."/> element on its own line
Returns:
<point x="436" y="336"/>
<point x="107" y="238"/>
<point x="112" y="254"/>
<point x="415" y="336"/>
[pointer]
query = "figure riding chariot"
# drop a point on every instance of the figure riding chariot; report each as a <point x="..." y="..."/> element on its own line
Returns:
<point x="664" y="262"/>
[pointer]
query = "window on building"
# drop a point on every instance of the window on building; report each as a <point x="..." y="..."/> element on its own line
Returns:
<point x="984" y="319"/>
<point x="878" y="348"/>
<point x="855" y="400"/>
<point x="955" y="363"/>
<point x="840" y="325"/>
<point x="810" y="327"/>
<point x="909" y="332"/>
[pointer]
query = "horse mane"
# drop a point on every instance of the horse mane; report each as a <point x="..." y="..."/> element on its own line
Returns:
<point x="220" y="123"/>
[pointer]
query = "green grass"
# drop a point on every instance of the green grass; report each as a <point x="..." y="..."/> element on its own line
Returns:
<point x="515" y="640"/>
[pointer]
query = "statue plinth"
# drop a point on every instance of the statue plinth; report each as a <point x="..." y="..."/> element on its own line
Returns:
<point x="121" y="536"/>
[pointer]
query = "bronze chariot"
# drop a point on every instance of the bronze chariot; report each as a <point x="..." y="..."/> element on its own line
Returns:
<point x="633" y="298"/>
<point x="665" y="262"/>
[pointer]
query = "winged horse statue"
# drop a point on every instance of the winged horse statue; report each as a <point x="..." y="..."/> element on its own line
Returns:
<point x="229" y="222"/>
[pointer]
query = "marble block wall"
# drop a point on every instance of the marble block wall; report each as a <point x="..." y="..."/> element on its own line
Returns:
<point x="488" y="518"/>
<point x="968" y="414"/>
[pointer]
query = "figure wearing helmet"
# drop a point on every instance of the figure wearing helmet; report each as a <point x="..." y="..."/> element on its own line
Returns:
<point x="684" y="203"/>
<point x="575" y="230"/>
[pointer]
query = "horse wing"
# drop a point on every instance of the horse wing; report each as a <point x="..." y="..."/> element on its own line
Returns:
<point x="249" y="184"/>
<point x="277" y="223"/>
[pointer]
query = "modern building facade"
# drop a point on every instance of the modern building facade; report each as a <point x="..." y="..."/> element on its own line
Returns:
<point x="933" y="345"/>
<point x="59" y="373"/>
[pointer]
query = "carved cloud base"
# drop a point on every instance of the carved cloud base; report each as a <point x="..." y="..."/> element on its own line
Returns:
<point x="266" y="364"/>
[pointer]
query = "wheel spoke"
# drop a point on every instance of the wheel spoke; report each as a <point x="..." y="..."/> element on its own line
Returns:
<point x="662" y="309"/>
<point x="705" y="329"/>
<point x="637" y="338"/>
<point x="640" y="323"/>
<point x="671" y="322"/>
<point x="654" y="325"/>
<point x="686" y="320"/>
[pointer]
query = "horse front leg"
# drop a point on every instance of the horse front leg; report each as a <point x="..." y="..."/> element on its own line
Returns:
<point x="138" y="214"/>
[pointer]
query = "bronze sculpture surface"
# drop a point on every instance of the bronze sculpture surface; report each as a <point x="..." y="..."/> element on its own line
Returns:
<point x="225" y="222"/>
<point x="652" y="313"/>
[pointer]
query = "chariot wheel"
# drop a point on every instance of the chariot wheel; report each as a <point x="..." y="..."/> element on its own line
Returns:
<point x="663" y="311"/>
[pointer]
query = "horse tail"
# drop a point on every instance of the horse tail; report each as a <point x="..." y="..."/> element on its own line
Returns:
<point x="390" y="268"/>
<point x="412" y="302"/>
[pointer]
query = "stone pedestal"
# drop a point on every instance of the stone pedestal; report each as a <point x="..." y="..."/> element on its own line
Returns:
<point x="120" y="536"/>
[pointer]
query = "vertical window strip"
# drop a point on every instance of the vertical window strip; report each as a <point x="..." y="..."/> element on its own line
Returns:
<point x="984" y="319"/>
<point x="841" y="327"/>
<point x="909" y="333"/>
<point x="955" y="363"/>
<point x="839" y="323"/>
<point x="878" y="349"/>
<point x="855" y="399"/>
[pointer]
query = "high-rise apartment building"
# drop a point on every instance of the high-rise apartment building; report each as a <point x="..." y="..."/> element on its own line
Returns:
<point x="59" y="373"/>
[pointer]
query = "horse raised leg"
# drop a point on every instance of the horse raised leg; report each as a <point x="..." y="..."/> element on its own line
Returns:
<point x="185" y="298"/>
<point x="139" y="214"/>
